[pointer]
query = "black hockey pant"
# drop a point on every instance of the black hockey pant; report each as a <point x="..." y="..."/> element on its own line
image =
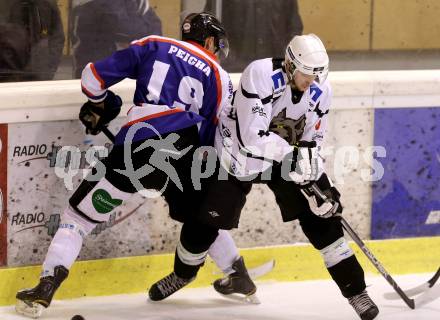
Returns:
<point x="198" y="235"/>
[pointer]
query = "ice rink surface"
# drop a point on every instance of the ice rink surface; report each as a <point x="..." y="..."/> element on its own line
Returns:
<point x="308" y="300"/>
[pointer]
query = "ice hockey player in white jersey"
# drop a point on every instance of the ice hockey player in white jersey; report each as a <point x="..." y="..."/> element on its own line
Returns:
<point x="268" y="116"/>
<point x="271" y="133"/>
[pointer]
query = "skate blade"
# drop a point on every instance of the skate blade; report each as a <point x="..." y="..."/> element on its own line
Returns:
<point x="250" y="299"/>
<point x="29" y="309"/>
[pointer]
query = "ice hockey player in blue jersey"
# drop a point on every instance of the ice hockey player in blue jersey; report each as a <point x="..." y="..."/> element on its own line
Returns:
<point x="180" y="90"/>
<point x="178" y="84"/>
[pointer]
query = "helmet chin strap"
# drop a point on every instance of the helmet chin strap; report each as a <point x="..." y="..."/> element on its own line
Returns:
<point x="290" y="76"/>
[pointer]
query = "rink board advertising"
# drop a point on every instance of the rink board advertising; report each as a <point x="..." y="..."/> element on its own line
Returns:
<point x="406" y="201"/>
<point x="39" y="183"/>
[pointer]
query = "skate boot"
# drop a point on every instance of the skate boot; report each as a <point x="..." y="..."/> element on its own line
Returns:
<point x="364" y="306"/>
<point x="31" y="302"/>
<point x="239" y="283"/>
<point x="167" y="286"/>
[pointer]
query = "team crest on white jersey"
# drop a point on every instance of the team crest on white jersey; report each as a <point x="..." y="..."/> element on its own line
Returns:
<point x="289" y="129"/>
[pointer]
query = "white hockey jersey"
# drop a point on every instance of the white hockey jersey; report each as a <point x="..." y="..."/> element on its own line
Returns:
<point x="267" y="117"/>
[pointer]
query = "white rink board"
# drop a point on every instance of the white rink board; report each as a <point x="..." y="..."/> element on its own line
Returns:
<point x="59" y="100"/>
<point x="308" y="300"/>
<point x="40" y="113"/>
<point x="37" y="196"/>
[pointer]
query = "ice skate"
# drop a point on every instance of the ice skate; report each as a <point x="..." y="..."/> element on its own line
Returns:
<point x="364" y="306"/>
<point x="238" y="285"/>
<point x="31" y="302"/>
<point x="167" y="286"/>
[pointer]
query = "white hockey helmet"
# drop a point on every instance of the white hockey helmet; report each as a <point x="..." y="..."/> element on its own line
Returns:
<point x="307" y="54"/>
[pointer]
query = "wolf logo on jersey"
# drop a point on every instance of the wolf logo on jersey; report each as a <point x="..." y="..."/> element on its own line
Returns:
<point x="289" y="129"/>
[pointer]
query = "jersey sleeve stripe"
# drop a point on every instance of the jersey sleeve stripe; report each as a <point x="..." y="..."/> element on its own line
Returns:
<point x="97" y="76"/>
<point x="92" y="97"/>
<point x="92" y="84"/>
<point x="251" y="95"/>
<point x="152" y="116"/>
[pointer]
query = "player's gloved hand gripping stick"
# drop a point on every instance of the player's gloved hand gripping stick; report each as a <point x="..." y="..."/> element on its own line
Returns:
<point x="308" y="164"/>
<point x="96" y="116"/>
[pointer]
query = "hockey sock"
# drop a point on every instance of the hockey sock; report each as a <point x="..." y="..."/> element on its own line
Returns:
<point x="224" y="252"/>
<point x="349" y="276"/>
<point x="195" y="240"/>
<point x="186" y="264"/>
<point x="67" y="242"/>
<point x="344" y="267"/>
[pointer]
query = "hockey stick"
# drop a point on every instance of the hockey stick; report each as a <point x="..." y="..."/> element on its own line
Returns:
<point x="416" y="290"/>
<point x="258" y="271"/>
<point x="109" y="134"/>
<point x="428" y="293"/>
<point x="410" y="302"/>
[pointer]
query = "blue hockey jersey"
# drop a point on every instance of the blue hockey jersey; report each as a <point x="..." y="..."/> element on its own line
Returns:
<point x="178" y="84"/>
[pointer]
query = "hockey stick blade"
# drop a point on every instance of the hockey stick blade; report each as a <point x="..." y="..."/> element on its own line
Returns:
<point x="428" y="296"/>
<point x="258" y="271"/>
<point x="261" y="270"/>
<point x="108" y="134"/>
<point x="416" y="290"/>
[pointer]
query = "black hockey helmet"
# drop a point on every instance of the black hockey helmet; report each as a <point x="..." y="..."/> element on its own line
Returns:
<point x="199" y="26"/>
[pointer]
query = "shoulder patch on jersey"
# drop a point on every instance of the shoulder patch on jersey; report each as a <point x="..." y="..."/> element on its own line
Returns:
<point x="315" y="92"/>
<point x="278" y="80"/>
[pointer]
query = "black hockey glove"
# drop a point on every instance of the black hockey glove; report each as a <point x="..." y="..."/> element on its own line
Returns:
<point x="323" y="198"/>
<point x="96" y="116"/>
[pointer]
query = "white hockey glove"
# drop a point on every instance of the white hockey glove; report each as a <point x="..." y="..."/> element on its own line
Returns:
<point x="323" y="198"/>
<point x="308" y="165"/>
